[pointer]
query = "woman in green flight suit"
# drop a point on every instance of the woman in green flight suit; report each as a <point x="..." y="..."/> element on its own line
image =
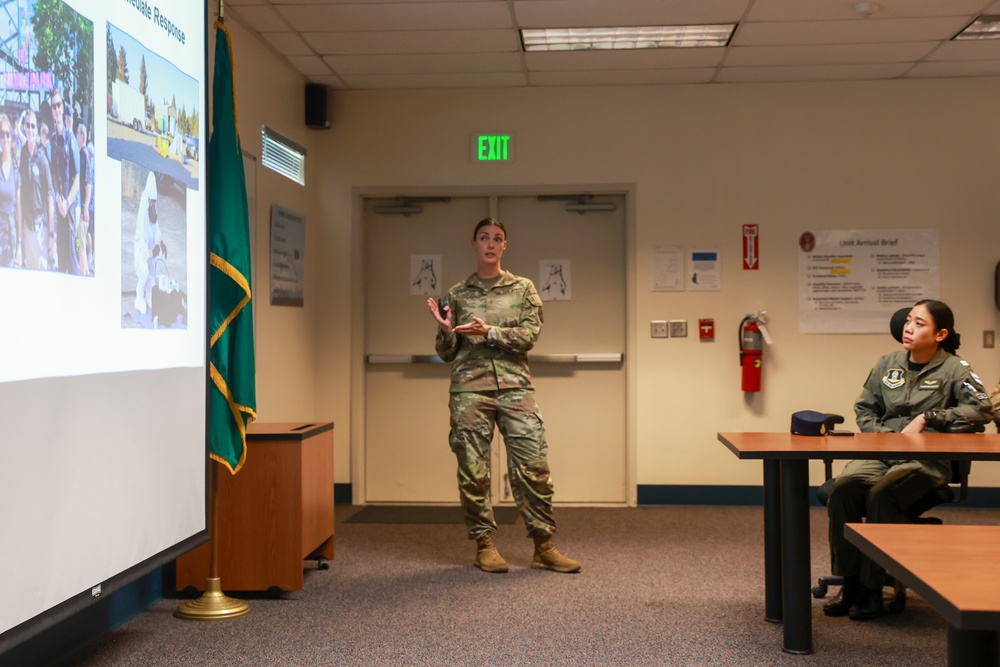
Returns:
<point x="923" y="387"/>
<point x="501" y="318"/>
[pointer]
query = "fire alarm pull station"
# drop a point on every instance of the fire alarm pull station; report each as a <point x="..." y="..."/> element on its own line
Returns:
<point x="706" y="330"/>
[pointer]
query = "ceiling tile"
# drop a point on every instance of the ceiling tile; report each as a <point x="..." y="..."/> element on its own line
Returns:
<point x="420" y="81"/>
<point x="955" y="69"/>
<point x="261" y="18"/>
<point x="432" y="64"/>
<point x="982" y="49"/>
<point x="647" y="77"/>
<point x="309" y="65"/>
<point x="413" y="41"/>
<point x="462" y="43"/>
<point x="400" y="16"/>
<point x="828" y="54"/>
<point x="799" y="10"/>
<point x="623" y="60"/>
<point x="847" y="32"/>
<point x="370" y="2"/>
<point x="600" y="13"/>
<point x="814" y="73"/>
<point x="329" y="80"/>
<point x="287" y="43"/>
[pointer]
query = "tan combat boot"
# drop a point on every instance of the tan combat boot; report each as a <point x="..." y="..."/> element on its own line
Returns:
<point x="488" y="559"/>
<point x="547" y="557"/>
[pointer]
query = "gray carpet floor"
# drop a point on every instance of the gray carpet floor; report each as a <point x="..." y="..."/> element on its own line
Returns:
<point x="659" y="586"/>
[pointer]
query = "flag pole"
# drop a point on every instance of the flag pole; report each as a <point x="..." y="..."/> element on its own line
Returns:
<point x="213" y="605"/>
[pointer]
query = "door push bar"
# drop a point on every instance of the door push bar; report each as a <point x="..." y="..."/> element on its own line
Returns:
<point x="608" y="358"/>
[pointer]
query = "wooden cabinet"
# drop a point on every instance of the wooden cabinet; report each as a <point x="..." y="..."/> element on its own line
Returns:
<point x="274" y="513"/>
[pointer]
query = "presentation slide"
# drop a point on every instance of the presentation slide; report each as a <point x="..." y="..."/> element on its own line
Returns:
<point x="103" y="275"/>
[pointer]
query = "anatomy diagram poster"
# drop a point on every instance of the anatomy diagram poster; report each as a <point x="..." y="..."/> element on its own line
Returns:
<point x="852" y="281"/>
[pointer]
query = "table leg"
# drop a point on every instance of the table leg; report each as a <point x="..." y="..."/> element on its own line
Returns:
<point x="795" y="556"/>
<point x="973" y="648"/>
<point x="772" y="541"/>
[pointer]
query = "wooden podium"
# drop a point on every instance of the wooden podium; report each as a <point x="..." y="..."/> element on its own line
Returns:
<point x="273" y="514"/>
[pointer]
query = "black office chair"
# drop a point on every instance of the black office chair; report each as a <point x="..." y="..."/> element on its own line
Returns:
<point x="956" y="491"/>
<point x="942" y="495"/>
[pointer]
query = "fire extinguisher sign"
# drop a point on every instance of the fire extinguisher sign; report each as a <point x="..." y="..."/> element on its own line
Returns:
<point x="751" y="248"/>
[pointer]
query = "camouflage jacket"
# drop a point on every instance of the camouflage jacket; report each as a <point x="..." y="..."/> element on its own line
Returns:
<point x="499" y="360"/>
<point x="893" y="395"/>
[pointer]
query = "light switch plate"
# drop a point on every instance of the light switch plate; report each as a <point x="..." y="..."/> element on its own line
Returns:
<point x="658" y="329"/>
<point x="678" y="328"/>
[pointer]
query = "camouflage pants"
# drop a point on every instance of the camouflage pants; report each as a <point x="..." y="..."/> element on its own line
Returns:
<point x="473" y="416"/>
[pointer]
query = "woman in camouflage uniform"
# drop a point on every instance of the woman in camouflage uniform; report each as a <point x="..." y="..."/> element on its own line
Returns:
<point x="486" y="327"/>
<point x="923" y="387"/>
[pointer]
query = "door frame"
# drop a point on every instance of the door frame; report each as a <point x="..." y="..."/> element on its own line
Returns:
<point x="360" y="291"/>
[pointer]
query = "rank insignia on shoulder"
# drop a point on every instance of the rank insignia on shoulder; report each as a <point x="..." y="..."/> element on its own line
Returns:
<point x="963" y="362"/>
<point x="894" y="378"/>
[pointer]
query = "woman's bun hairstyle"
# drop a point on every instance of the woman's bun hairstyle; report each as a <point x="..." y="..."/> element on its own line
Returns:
<point x="943" y="319"/>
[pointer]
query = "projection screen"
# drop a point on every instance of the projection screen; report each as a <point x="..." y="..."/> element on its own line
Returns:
<point x="103" y="294"/>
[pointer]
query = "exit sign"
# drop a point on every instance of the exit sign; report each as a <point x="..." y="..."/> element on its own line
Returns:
<point x="497" y="147"/>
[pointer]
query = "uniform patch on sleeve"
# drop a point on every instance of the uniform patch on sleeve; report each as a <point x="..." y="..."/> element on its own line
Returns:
<point x="894" y="378"/>
<point x="975" y="377"/>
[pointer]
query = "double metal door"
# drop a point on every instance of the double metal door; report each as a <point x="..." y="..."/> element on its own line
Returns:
<point x="577" y="262"/>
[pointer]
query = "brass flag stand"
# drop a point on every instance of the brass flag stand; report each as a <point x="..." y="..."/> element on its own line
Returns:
<point x="213" y="605"/>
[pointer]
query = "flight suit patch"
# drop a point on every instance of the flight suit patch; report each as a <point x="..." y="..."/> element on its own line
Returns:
<point x="894" y="378"/>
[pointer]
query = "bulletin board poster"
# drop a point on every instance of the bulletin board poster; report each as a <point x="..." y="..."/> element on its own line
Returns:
<point x="852" y="281"/>
<point x="288" y="250"/>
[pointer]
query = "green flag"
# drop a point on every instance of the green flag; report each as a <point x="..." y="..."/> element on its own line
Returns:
<point x="232" y="401"/>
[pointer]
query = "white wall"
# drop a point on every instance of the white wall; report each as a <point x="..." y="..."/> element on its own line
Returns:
<point x="269" y="91"/>
<point x="701" y="162"/>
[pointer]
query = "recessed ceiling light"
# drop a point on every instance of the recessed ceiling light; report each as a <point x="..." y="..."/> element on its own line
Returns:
<point x="984" y="27"/>
<point x="638" y="37"/>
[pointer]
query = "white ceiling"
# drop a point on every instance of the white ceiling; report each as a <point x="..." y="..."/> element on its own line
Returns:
<point x="369" y="44"/>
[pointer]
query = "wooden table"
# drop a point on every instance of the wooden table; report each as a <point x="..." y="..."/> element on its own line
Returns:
<point x="787" y="579"/>
<point x="954" y="569"/>
<point x="274" y="513"/>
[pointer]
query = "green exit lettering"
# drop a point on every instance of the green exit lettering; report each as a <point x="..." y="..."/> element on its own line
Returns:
<point x="493" y="147"/>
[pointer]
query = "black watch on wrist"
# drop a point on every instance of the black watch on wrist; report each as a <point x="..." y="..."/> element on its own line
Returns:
<point x="931" y="416"/>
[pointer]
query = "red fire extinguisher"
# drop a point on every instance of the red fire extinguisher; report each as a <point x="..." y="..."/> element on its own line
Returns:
<point x="752" y="334"/>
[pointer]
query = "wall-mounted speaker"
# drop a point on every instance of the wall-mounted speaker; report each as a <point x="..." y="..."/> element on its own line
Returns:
<point x="318" y="106"/>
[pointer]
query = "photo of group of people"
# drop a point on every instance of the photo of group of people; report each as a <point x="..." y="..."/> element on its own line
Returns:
<point x="49" y="166"/>
<point x="47" y="170"/>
